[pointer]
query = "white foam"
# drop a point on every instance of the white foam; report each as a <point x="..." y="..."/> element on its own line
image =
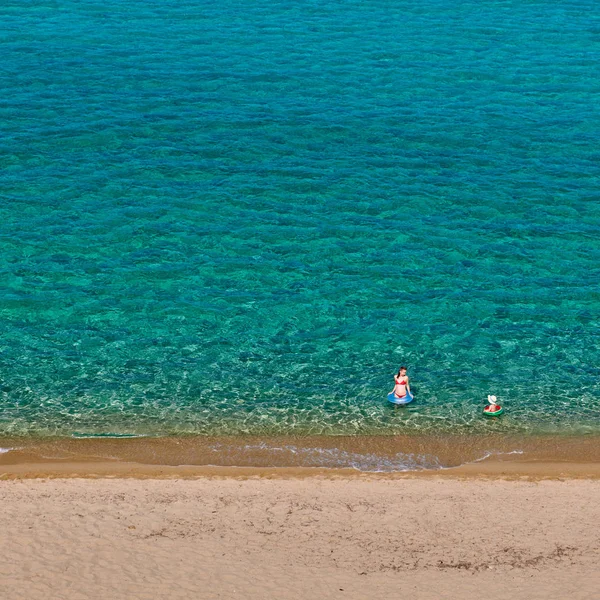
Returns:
<point x="5" y="450"/>
<point x="494" y="453"/>
<point x="336" y="459"/>
<point x="109" y="435"/>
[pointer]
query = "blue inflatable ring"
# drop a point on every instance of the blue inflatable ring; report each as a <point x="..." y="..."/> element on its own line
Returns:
<point x="400" y="401"/>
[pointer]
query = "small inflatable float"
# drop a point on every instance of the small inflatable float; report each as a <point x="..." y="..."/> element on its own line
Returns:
<point x="400" y="401"/>
<point x="493" y="409"/>
<point x="488" y="412"/>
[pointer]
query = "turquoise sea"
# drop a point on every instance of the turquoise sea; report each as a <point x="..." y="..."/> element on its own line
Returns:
<point x="227" y="218"/>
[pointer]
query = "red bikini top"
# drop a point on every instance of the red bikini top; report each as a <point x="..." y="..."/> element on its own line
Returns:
<point x="400" y="382"/>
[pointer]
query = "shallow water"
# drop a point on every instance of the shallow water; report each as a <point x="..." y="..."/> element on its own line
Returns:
<point x="240" y="218"/>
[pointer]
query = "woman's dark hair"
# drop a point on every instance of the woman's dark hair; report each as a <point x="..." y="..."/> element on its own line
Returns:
<point x="400" y="369"/>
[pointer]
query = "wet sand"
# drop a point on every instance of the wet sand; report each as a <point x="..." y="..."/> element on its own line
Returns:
<point x="364" y="453"/>
<point x="506" y="470"/>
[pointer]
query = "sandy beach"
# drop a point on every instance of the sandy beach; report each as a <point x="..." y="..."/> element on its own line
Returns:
<point x="292" y="537"/>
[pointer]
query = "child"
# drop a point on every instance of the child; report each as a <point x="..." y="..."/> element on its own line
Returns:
<point x="493" y="407"/>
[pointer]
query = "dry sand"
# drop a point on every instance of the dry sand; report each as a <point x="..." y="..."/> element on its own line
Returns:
<point x="299" y="538"/>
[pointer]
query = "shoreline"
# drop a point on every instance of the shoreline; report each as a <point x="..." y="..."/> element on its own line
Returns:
<point x="384" y="456"/>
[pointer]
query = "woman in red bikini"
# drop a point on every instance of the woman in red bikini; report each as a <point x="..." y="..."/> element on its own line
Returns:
<point x="402" y="385"/>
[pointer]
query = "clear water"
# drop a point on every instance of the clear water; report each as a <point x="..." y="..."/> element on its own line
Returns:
<point x="242" y="217"/>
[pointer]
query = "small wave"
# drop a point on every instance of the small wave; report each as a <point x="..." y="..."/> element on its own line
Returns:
<point x="5" y="450"/>
<point x="334" y="458"/>
<point x="496" y="453"/>
<point x="108" y="435"/>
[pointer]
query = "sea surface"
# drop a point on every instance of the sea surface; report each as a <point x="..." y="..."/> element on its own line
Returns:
<point x="240" y="218"/>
